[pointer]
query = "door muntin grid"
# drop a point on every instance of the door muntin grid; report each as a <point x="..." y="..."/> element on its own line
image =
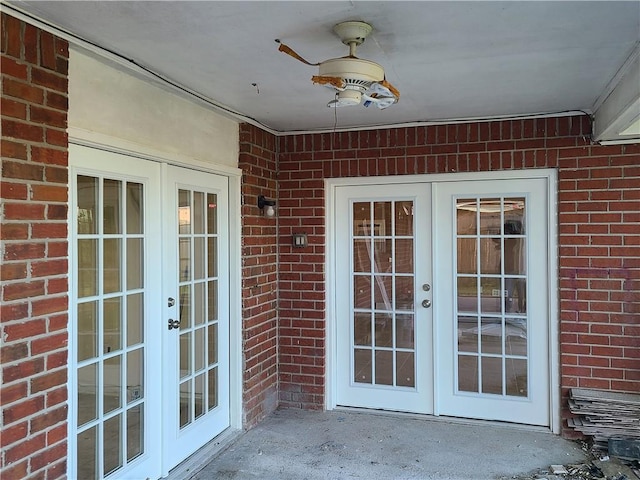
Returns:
<point x="492" y="323"/>
<point x="382" y="294"/>
<point x="198" y="336"/>
<point x="109" y="348"/>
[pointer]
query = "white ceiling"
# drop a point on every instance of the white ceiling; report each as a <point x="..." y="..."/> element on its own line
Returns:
<point x="450" y="60"/>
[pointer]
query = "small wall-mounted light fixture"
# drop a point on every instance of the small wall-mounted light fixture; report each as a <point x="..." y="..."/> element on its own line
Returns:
<point x="300" y="240"/>
<point x="267" y="206"/>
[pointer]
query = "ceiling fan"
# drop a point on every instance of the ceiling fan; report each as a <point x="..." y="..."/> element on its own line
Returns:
<point x="355" y="80"/>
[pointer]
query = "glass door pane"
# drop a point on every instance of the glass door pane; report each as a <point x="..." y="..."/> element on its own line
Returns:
<point x="198" y="305"/>
<point x="491" y="285"/>
<point x="383" y="307"/>
<point x="109" y="348"/>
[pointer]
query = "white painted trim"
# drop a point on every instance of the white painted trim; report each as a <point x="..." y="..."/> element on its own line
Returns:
<point x="553" y="299"/>
<point x="622" y="72"/>
<point x="108" y="143"/>
<point x="330" y="321"/>
<point x="440" y="177"/>
<point x="72" y="287"/>
<point x="235" y="303"/>
<point x="628" y="141"/>
<point x="549" y="174"/>
<point x="619" y="106"/>
<point x="442" y="121"/>
<point x="435" y="326"/>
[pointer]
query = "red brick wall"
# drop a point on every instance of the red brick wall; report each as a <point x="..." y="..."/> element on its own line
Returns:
<point x="599" y="225"/>
<point x="34" y="252"/>
<point x="302" y="270"/>
<point x="259" y="276"/>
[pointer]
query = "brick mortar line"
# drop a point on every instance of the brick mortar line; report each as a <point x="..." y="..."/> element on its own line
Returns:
<point x="31" y="395"/>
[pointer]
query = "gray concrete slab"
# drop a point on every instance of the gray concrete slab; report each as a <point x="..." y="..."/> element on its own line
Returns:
<point x="308" y="445"/>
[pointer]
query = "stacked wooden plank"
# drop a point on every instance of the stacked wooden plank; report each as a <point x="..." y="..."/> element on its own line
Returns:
<point x="605" y="415"/>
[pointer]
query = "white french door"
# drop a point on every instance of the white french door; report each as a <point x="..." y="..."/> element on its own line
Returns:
<point x="114" y="335"/>
<point x="384" y="342"/>
<point x="149" y="314"/>
<point x="442" y="297"/>
<point x="197" y="300"/>
<point x="493" y="264"/>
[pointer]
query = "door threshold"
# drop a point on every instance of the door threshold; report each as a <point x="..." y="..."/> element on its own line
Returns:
<point x="193" y="464"/>
<point x="443" y="418"/>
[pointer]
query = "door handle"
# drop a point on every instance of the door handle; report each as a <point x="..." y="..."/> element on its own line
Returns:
<point x="174" y="324"/>
<point x="426" y="303"/>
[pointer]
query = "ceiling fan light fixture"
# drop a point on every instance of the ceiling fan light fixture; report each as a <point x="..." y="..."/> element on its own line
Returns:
<point x="346" y="98"/>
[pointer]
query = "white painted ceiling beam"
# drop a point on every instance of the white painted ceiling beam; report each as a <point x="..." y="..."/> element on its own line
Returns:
<point x="617" y="118"/>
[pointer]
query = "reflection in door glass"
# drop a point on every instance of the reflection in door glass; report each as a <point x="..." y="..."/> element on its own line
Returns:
<point x="112" y="449"/>
<point x="405" y="375"/>
<point x="199" y="212"/>
<point x="384" y="330"/>
<point x="184" y="211"/>
<point x="383" y="299"/>
<point x="135" y="431"/>
<point x="135" y="208"/>
<point x="87" y="455"/>
<point x="362" y="291"/>
<point x="87" y="256"/>
<point x="113" y="265"/>
<point x="135" y="375"/>
<point x="491" y="260"/>
<point x="362" y="329"/>
<point x="213" y="391"/>
<point x="112" y="212"/>
<point x="199" y="396"/>
<point x="87" y="339"/>
<point x="87" y="198"/>
<point x="361" y="257"/>
<point x="87" y="388"/>
<point x="135" y="258"/>
<point x="135" y="317"/>
<point x="112" y="394"/>
<point x="112" y="322"/>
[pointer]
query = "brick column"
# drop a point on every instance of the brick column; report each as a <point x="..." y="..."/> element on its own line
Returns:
<point x="259" y="276"/>
<point x="34" y="252"/>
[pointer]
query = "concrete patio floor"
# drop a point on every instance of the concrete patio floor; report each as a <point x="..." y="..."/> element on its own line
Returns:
<point x="347" y="444"/>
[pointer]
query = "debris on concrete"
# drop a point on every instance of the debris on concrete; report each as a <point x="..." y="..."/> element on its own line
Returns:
<point x="625" y="448"/>
<point x="558" y="470"/>
<point x="614" y="469"/>
<point x="597" y="467"/>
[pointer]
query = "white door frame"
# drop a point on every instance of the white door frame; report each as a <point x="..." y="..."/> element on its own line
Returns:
<point x="234" y="175"/>
<point x="550" y="175"/>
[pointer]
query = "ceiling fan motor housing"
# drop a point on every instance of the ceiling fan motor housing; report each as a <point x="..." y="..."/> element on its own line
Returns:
<point x="357" y="74"/>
